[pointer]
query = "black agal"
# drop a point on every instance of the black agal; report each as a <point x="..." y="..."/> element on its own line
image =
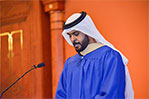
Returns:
<point x="75" y="22"/>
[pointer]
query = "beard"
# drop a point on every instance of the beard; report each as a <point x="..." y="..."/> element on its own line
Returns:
<point x="84" y="44"/>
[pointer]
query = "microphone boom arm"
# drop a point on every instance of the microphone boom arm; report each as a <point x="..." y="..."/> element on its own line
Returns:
<point x="34" y="67"/>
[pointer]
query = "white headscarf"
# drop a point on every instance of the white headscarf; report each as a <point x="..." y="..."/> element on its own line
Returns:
<point x="87" y="27"/>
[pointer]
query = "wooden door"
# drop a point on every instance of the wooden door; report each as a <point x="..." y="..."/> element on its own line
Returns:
<point x="24" y="41"/>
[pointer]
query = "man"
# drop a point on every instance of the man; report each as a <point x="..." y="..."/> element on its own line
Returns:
<point x="98" y="71"/>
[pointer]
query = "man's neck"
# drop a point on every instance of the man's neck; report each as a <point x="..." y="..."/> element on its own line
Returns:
<point x="91" y="47"/>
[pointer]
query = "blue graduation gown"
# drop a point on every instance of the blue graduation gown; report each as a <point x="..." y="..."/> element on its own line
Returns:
<point x="98" y="75"/>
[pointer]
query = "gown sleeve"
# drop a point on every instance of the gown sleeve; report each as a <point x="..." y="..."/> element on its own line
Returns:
<point x="61" y="89"/>
<point x="113" y="83"/>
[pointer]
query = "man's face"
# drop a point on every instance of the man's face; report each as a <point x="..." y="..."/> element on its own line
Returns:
<point x="79" y="40"/>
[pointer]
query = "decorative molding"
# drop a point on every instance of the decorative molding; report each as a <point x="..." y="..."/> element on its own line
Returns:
<point x="10" y="41"/>
<point x="52" y="5"/>
<point x="14" y="11"/>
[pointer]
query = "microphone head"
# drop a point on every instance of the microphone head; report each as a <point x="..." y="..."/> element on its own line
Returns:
<point x="41" y="65"/>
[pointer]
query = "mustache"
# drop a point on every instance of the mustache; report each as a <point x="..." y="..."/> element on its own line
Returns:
<point x="74" y="43"/>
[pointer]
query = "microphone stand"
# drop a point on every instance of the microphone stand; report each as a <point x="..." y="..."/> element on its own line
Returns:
<point x="34" y="67"/>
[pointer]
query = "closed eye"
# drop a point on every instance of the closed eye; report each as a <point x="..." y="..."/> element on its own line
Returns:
<point x="76" y="33"/>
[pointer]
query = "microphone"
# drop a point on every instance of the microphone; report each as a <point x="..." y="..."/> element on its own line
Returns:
<point x="34" y="67"/>
<point x="41" y="65"/>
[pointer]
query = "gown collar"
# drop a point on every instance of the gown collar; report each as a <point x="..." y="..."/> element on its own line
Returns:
<point x="91" y="47"/>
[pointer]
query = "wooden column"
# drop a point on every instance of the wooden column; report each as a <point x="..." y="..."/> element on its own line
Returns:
<point x="55" y="9"/>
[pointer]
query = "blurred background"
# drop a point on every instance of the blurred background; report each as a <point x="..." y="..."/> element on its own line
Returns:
<point x="30" y="33"/>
